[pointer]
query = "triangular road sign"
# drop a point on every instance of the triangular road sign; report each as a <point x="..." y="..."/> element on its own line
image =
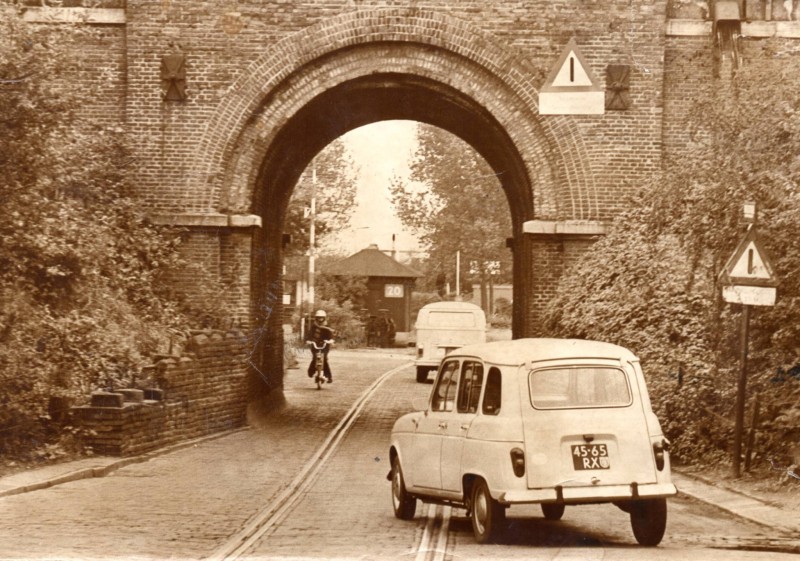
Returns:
<point x="749" y="265"/>
<point x="571" y="87"/>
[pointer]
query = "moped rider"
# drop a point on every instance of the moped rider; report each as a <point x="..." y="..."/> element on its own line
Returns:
<point x="318" y="334"/>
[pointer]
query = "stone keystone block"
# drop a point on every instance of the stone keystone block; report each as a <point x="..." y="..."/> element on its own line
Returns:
<point x="107" y="399"/>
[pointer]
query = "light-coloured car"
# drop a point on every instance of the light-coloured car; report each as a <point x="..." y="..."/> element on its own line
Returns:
<point x="441" y="328"/>
<point x="551" y="421"/>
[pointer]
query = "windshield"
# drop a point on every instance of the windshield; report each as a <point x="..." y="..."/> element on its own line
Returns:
<point x="579" y="386"/>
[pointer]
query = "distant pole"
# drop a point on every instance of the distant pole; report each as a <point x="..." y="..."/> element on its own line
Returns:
<point x="311" y="237"/>
<point x="740" y="391"/>
<point x="458" y="275"/>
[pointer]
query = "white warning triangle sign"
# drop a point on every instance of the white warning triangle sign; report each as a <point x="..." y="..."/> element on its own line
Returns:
<point x="572" y="72"/>
<point x="749" y="264"/>
<point x="571" y="87"/>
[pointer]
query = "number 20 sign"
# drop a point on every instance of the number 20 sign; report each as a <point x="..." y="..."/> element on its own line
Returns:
<point x="393" y="291"/>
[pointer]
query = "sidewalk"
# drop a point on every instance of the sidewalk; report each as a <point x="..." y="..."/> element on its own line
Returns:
<point x="738" y="504"/>
<point x="735" y="503"/>
<point x="100" y="466"/>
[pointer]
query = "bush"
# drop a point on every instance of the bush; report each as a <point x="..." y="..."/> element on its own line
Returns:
<point x="81" y="299"/>
<point x="346" y="323"/>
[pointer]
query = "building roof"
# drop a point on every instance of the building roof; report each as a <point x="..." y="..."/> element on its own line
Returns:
<point x="371" y="262"/>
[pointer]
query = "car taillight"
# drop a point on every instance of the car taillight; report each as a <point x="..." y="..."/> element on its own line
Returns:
<point x="659" y="451"/>
<point x="518" y="461"/>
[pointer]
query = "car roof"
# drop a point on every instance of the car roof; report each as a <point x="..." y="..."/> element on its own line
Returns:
<point x="452" y="306"/>
<point x="520" y="351"/>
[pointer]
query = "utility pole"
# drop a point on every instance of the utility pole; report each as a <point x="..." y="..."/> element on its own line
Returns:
<point x="311" y="237"/>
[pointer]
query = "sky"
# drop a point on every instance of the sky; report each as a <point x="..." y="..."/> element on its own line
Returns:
<point x="380" y="150"/>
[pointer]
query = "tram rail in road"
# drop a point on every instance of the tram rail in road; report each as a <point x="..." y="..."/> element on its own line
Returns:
<point x="433" y="545"/>
<point x="276" y="510"/>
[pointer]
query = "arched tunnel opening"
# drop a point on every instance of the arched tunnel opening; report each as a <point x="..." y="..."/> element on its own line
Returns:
<point x="350" y="105"/>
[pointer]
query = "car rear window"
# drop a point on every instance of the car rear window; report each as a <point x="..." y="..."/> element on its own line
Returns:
<point x="451" y="319"/>
<point x="579" y="386"/>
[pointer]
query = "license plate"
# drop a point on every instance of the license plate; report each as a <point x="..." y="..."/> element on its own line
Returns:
<point x="590" y="456"/>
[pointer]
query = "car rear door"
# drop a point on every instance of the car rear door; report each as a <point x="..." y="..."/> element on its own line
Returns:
<point x="584" y="424"/>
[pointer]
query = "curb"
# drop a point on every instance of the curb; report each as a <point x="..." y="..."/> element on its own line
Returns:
<point x="114" y="465"/>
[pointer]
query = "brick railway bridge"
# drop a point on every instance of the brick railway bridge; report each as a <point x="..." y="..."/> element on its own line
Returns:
<point x="227" y="102"/>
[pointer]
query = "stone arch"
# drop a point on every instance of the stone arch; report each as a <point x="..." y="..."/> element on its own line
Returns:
<point x="372" y="65"/>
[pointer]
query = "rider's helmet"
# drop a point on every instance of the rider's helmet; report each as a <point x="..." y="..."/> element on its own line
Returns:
<point x="320" y="314"/>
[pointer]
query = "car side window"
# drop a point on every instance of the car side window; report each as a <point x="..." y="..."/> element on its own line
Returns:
<point x="469" y="392"/>
<point x="491" y="398"/>
<point x="444" y="394"/>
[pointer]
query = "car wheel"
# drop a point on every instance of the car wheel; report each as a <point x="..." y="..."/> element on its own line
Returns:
<point x="487" y="514"/>
<point x="422" y="374"/>
<point x="404" y="504"/>
<point x="649" y="520"/>
<point x="553" y="511"/>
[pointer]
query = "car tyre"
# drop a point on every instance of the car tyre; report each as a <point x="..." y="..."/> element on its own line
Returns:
<point x="422" y="374"/>
<point x="403" y="503"/>
<point x="553" y="511"/>
<point x="649" y="520"/>
<point x="488" y="515"/>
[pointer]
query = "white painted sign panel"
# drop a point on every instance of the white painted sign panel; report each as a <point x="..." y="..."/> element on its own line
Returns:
<point x="750" y="295"/>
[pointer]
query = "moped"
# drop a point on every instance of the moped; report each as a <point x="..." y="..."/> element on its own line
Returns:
<point x="319" y="361"/>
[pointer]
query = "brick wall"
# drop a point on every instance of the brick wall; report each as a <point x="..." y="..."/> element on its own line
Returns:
<point x="270" y="82"/>
<point x="201" y="392"/>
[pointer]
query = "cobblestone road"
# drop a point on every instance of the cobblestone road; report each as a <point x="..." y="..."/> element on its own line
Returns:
<point x="187" y="504"/>
<point x="347" y="514"/>
<point x="181" y="505"/>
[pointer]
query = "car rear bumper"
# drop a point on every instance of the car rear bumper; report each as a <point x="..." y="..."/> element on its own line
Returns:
<point x="588" y="494"/>
<point x="430" y="363"/>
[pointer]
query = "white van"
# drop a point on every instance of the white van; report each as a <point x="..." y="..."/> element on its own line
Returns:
<point x="443" y="327"/>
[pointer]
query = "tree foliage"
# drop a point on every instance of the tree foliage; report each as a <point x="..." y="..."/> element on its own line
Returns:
<point x="334" y="191"/>
<point x="653" y="283"/>
<point x="461" y="208"/>
<point x="80" y="297"/>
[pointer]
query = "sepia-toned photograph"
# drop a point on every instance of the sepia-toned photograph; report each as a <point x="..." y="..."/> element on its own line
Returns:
<point x="389" y="280"/>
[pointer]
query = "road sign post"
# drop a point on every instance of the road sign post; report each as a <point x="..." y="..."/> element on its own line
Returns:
<point x="748" y="279"/>
<point x="741" y="388"/>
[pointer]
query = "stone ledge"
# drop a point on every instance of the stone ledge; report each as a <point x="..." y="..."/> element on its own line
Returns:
<point x="108" y="16"/>
<point x="701" y="28"/>
<point x="564" y="228"/>
<point x="212" y="220"/>
<point x="688" y="27"/>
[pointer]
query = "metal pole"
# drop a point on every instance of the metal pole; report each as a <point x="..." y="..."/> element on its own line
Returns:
<point x="740" y="392"/>
<point x="311" y="237"/>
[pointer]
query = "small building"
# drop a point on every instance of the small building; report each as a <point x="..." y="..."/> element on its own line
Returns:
<point x="389" y="283"/>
